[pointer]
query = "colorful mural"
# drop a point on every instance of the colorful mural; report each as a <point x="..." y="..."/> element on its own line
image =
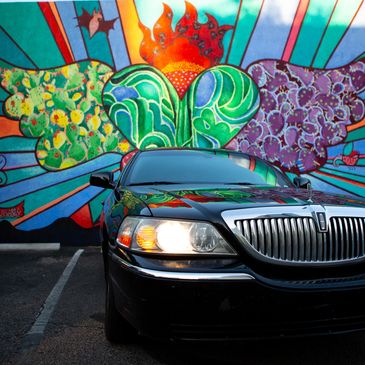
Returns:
<point x="84" y="83"/>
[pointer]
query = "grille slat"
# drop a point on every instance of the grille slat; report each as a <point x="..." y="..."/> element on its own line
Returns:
<point x="299" y="239"/>
<point x="281" y="233"/>
<point x="334" y="253"/>
<point x="313" y="243"/>
<point x="246" y="230"/>
<point x="268" y="239"/>
<point x="275" y="238"/>
<point x="307" y="240"/>
<point x="346" y="238"/>
<point x="253" y="233"/>
<point x="341" y="256"/>
<point x="357" y="235"/>
<point x="294" y="228"/>
<point x="352" y="238"/>
<point x="362" y="236"/>
<point x="288" y="240"/>
<point x="261" y="236"/>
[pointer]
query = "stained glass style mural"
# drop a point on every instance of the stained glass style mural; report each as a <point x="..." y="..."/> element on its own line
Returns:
<point x="84" y="83"/>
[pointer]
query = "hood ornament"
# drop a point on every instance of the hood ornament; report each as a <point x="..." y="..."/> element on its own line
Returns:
<point x="310" y="193"/>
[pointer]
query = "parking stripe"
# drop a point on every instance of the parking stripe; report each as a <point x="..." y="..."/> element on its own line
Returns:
<point x="35" y="334"/>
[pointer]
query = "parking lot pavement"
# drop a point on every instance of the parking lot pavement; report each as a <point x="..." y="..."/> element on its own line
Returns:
<point x="26" y="278"/>
<point x="75" y="335"/>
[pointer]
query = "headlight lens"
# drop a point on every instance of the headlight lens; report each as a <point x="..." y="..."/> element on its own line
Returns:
<point x="171" y="237"/>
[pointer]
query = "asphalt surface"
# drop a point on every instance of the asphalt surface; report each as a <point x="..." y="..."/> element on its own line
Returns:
<point x="75" y="333"/>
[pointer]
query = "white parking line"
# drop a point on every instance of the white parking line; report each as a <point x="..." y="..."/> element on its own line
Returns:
<point x="35" y="334"/>
<point x="29" y="247"/>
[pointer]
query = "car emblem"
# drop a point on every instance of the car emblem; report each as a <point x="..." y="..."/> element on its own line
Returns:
<point x="322" y="221"/>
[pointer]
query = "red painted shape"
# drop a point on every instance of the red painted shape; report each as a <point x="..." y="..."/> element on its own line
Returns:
<point x="13" y="212"/>
<point x="126" y="158"/>
<point x="351" y="159"/>
<point x="9" y="127"/>
<point x="83" y="217"/>
<point x="294" y="32"/>
<point x="183" y="53"/>
<point x="57" y="34"/>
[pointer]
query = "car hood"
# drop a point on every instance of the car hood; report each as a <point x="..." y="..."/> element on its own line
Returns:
<point x="203" y="201"/>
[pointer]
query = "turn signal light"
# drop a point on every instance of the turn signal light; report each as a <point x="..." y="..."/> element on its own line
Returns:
<point x="125" y="240"/>
<point x="125" y="235"/>
<point x="146" y="237"/>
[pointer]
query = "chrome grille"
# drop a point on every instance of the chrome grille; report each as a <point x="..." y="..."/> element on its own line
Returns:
<point x="299" y="240"/>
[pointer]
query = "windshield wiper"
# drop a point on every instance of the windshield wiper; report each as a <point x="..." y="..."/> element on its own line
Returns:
<point x="154" y="183"/>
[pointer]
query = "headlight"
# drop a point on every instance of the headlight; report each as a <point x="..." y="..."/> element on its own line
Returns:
<point x="171" y="237"/>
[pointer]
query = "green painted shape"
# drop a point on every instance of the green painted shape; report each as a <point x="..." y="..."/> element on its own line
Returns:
<point x="62" y="109"/>
<point x="246" y="22"/>
<point x="27" y="26"/>
<point x="40" y="198"/>
<point x="311" y="31"/>
<point x="349" y="147"/>
<point x="340" y="21"/>
<point x="17" y="144"/>
<point x="3" y="94"/>
<point x="142" y="103"/>
<point x="12" y="52"/>
<point x="340" y="184"/>
<point x="11" y="203"/>
<point x="345" y="175"/>
<point x="230" y="101"/>
<point x="14" y="176"/>
<point x="97" y="46"/>
<point x="96" y="204"/>
<point x="356" y="135"/>
<point x="3" y="63"/>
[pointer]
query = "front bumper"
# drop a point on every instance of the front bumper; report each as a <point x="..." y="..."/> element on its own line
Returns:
<point x="210" y="305"/>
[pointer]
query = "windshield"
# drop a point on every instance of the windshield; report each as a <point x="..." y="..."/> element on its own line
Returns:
<point x="194" y="166"/>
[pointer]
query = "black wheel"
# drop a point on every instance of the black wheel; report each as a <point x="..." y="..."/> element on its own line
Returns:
<point x="117" y="329"/>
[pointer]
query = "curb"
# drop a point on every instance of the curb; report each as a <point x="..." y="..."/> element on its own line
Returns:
<point x="7" y="247"/>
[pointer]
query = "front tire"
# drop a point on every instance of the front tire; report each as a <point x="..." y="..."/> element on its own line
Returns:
<point x="117" y="329"/>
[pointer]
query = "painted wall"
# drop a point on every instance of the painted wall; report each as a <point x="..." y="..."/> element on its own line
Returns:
<point x="84" y="83"/>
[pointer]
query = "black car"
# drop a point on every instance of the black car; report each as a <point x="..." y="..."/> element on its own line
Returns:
<point x="212" y="244"/>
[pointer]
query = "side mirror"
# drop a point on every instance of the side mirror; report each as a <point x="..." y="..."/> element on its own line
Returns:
<point x="302" y="182"/>
<point x="103" y="180"/>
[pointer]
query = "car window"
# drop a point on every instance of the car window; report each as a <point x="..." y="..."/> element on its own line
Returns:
<point x="192" y="166"/>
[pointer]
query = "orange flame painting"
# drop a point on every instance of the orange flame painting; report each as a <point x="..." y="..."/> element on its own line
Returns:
<point x="183" y="53"/>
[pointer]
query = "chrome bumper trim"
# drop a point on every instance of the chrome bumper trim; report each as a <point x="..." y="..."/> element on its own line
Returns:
<point x="177" y="275"/>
